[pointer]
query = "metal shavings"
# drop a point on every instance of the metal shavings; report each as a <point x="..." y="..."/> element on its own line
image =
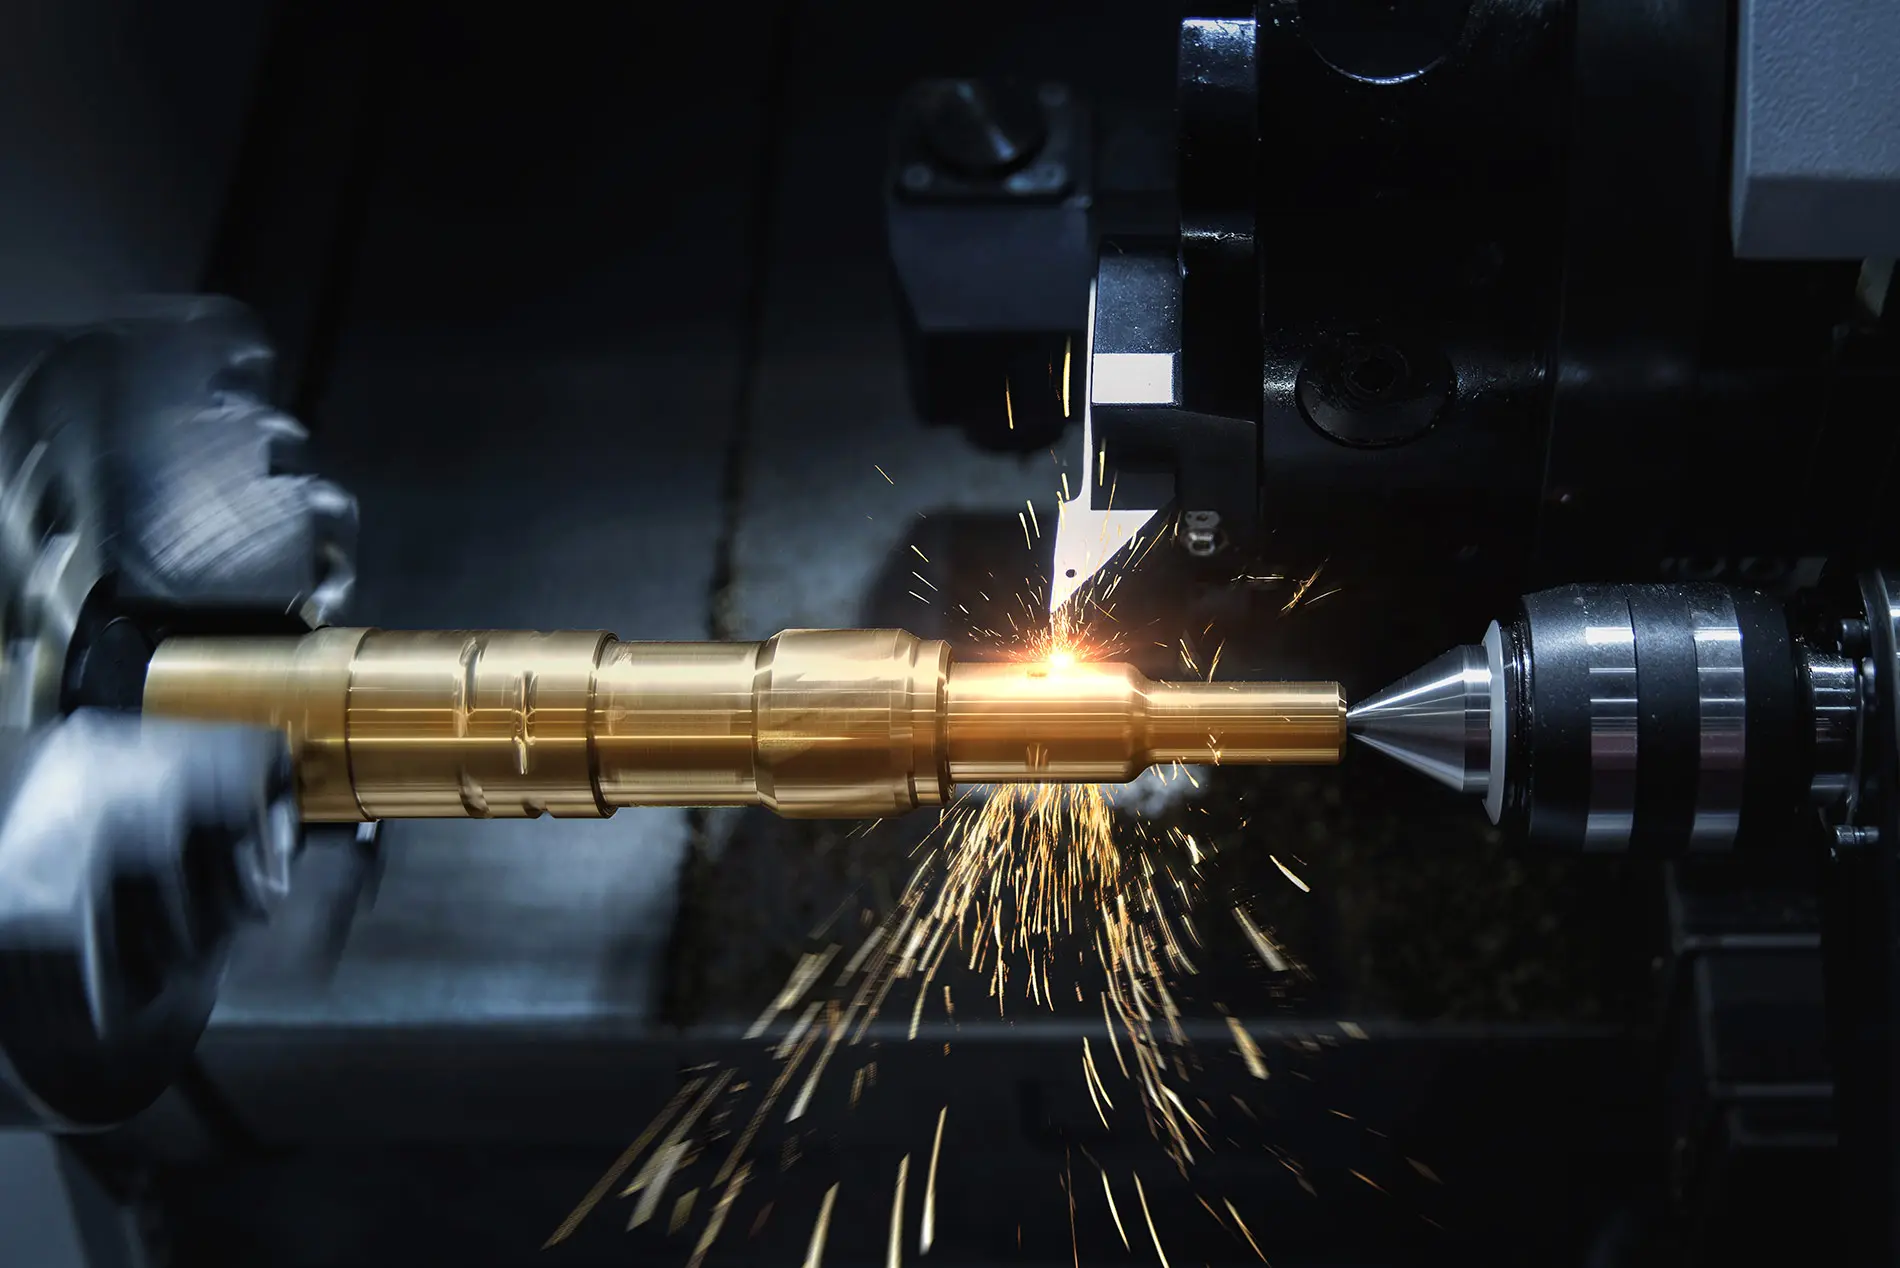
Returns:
<point x="1244" y="1229"/>
<point x="718" y="1221"/>
<point x="1068" y="1193"/>
<point x="1269" y="954"/>
<point x="1156" y="1237"/>
<point x="670" y="1157"/>
<point x="1249" y="1050"/>
<point x="858" y="957"/>
<point x="810" y="965"/>
<point x="765" y="1107"/>
<point x="1299" y="591"/>
<point x="682" y="1211"/>
<point x="1068" y="349"/>
<point x="1115" y="1214"/>
<point x="797" y="1031"/>
<point x="661" y="1155"/>
<point x="1090" y="1081"/>
<point x="837" y="1024"/>
<point x="1088" y="1062"/>
<point x="894" y="1255"/>
<point x="1287" y="872"/>
<point x="927" y="1232"/>
<point x="815" y="1252"/>
<point x="619" y="1168"/>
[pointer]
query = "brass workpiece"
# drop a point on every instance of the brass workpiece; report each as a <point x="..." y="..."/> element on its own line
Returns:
<point x="811" y="723"/>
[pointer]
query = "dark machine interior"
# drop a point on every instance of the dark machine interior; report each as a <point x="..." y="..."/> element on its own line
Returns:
<point x="617" y="317"/>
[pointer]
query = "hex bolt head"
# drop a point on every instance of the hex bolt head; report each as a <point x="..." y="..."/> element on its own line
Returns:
<point x="1200" y="533"/>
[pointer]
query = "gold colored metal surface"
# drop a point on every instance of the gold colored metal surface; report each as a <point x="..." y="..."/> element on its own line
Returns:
<point x="811" y="723"/>
<point x="301" y="685"/>
<point x="1102" y="723"/>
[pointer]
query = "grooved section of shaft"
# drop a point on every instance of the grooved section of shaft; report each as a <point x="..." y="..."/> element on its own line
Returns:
<point x="505" y="724"/>
<point x="489" y="725"/>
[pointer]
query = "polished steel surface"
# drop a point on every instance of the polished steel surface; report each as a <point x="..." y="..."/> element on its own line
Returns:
<point x="1721" y="692"/>
<point x="1090" y="529"/>
<point x="1834" y="696"/>
<point x="1502" y="683"/>
<point x="810" y="723"/>
<point x="1610" y="642"/>
<point x="1438" y="720"/>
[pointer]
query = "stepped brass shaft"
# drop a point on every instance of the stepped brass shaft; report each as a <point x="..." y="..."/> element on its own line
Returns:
<point x="811" y="723"/>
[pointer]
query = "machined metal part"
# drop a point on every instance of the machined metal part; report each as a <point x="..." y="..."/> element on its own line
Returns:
<point x="1500" y="669"/>
<point x="1834" y="696"/>
<point x="1440" y="720"/>
<point x="1036" y="722"/>
<point x="1090" y="529"/>
<point x="1151" y="434"/>
<point x="1722" y="712"/>
<point x="1610" y="644"/>
<point x="810" y="723"/>
<point x="1653" y="719"/>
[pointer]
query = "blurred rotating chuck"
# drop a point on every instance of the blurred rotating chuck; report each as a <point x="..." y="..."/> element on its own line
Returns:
<point x="129" y="856"/>
<point x="146" y="484"/>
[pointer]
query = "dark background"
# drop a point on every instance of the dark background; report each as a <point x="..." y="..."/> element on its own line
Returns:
<point x="589" y="306"/>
